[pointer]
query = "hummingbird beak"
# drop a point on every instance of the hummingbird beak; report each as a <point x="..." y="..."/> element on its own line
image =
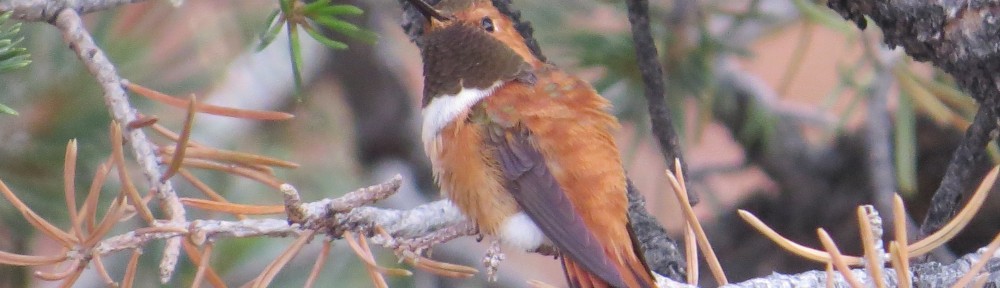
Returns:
<point x="428" y="10"/>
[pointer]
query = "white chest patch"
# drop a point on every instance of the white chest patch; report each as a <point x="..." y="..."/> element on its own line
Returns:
<point x="519" y="231"/>
<point x="444" y="109"/>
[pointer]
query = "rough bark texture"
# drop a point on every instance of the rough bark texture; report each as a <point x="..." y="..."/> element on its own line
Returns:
<point x="957" y="36"/>
<point x="652" y="76"/>
<point x="968" y="164"/>
<point x="960" y="37"/>
<point x="662" y="253"/>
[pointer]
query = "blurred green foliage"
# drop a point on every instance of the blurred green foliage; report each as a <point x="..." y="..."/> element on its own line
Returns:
<point x="294" y="14"/>
<point x="11" y="56"/>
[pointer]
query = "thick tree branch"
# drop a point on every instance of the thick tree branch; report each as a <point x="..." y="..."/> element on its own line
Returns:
<point x="960" y="38"/>
<point x="957" y="36"/>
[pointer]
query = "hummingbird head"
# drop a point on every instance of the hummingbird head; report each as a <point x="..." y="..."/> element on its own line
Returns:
<point x="470" y="44"/>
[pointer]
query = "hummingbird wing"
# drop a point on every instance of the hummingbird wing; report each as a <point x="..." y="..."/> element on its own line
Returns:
<point x="552" y="142"/>
<point x="544" y="201"/>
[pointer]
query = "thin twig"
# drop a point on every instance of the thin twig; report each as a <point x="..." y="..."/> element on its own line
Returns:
<point x="69" y="23"/>
<point x="366" y="195"/>
<point x="652" y="76"/>
<point x="294" y="210"/>
<point x="878" y="132"/>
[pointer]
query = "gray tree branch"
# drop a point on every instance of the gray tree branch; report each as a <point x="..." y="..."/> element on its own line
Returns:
<point x="69" y="23"/>
<point x="47" y="11"/>
<point x="960" y="38"/>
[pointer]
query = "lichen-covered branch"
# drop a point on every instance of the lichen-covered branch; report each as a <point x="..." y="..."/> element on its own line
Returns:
<point x="401" y="224"/>
<point x="47" y="11"/>
<point x="930" y="275"/>
<point x="69" y="23"/>
<point x="442" y="218"/>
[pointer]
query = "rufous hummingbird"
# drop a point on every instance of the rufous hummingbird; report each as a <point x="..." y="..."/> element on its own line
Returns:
<point x="522" y="148"/>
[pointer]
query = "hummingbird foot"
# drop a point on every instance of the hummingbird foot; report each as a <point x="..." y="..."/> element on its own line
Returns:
<point x="547" y="250"/>
<point x="492" y="260"/>
<point x="423" y="243"/>
<point x="412" y="250"/>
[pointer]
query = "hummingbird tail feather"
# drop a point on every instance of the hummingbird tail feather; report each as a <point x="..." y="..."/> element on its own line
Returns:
<point x="577" y="277"/>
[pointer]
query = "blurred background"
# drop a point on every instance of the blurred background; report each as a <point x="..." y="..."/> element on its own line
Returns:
<point x="773" y="97"/>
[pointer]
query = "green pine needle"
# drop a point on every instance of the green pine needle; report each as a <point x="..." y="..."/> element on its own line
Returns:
<point x="292" y="15"/>
<point x="295" y="48"/>
<point x="11" y="56"/>
<point x="337" y="10"/>
<point x="7" y="110"/>
<point x="333" y="44"/>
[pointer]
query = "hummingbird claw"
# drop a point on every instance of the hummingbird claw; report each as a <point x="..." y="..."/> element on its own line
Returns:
<point x="547" y="250"/>
<point x="492" y="260"/>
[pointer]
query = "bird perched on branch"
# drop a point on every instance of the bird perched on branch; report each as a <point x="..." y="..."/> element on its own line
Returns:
<point x="524" y="149"/>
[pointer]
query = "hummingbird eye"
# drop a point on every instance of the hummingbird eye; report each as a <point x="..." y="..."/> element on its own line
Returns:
<point x="487" y="24"/>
